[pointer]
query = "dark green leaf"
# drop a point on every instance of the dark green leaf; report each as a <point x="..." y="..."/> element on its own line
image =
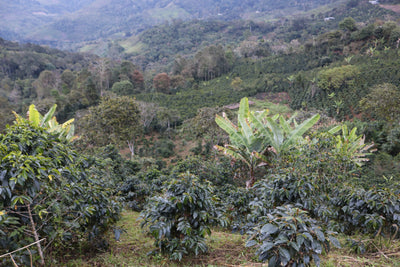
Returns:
<point x="269" y="229"/>
<point x="251" y="243"/>
<point x="334" y="242"/>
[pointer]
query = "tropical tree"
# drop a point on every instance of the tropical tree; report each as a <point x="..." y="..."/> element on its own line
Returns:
<point x="123" y="88"/>
<point x="116" y="120"/>
<point x="348" y="24"/>
<point x="257" y="136"/>
<point x="161" y="83"/>
<point x="203" y="125"/>
<point x="334" y="78"/>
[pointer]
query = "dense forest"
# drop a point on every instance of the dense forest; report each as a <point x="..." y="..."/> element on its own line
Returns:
<point x="282" y="129"/>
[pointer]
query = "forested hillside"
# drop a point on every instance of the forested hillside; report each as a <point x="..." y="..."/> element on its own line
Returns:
<point x="244" y="122"/>
<point x="63" y="24"/>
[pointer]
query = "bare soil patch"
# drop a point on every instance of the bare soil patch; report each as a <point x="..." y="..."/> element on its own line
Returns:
<point x="394" y="8"/>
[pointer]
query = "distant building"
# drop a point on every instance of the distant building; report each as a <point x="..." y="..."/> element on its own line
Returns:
<point x="329" y="18"/>
<point x="374" y="2"/>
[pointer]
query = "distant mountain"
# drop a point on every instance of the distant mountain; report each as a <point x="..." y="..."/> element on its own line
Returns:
<point x="59" y="21"/>
<point x="22" y="17"/>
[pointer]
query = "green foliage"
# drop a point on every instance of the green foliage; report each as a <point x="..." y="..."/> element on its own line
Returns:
<point x="373" y="211"/>
<point x="258" y="135"/>
<point x="210" y="63"/>
<point x="383" y="171"/>
<point x="383" y="101"/>
<point x="164" y="148"/>
<point x="113" y="167"/>
<point x="392" y="144"/>
<point x="139" y="188"/>
<point x="235" y="201"/>
<point x="115" y="120"/>
<point x="47" y="190"/>
<point x="49" y="122"/>
<point x="332" y="79"/>
<point x="289" y="237"/>
<point x="180" y="219"/>
<point x="218" y="172"/>
<point x="123" y="88"/>
<point x="348" y="24"/>
<point x="247" y="145"/>
<point x="351" y="146"/>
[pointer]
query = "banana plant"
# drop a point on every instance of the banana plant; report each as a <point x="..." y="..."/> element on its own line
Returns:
<point x="257" y="135"/>
<point x="350" y="145"/>
<point x="49" y="122"/>
<point x="279" y="133"/>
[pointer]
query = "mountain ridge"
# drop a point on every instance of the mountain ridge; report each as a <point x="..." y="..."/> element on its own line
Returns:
<point x="77" y="21"/>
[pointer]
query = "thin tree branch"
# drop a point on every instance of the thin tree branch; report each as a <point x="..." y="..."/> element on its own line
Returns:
<point x="27" y="246"/>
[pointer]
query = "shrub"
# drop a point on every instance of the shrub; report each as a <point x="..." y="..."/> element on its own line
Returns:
<point x="235" y="204"/>
<point x="373" y="211"/>
<point x="218" y="172"/>
<point x="140" y="187"/>
<point x="180" y="219"/>
<point x="165" y="148"/>
<point x="47" y="190"/>
<point x="287" y="236"/>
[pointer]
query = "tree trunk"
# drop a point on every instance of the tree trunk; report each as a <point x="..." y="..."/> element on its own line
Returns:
<point x="36" y="235"/>
<point x="131" y="145"/>
<point x="250" y="183"/>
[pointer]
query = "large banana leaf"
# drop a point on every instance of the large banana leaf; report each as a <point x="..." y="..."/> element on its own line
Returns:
<point x="256" y="132"/>
<point x="231" y="129"/>
<point x="47" y="117"/>
<point x="299" y="130"/>
<point x="34" y="116"/>
<point x="49" y="122"/>
<point x="351" y="145"/>
<point x="282" y="135"/>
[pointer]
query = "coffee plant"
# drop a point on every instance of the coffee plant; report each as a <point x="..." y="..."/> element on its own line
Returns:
<point x="181" y="217"/>
<point x="287" y="236"/>
<point x="48" y="191"/>
<point x="218" y="172"/>
<point x="142" y="186"/>
<point x="374" y="211"/>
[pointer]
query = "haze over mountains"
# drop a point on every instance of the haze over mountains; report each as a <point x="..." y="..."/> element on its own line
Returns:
<point x="55" y="21"/>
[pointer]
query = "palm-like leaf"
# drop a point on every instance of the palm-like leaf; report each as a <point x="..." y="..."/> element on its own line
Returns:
<point x="256" y="132"/>
<point x="282" y="135"/>
<point x="49" y="122"/>
<point x="351" y="145"/>
<point x="299" y="130"/>
<point x="48" y="116"/>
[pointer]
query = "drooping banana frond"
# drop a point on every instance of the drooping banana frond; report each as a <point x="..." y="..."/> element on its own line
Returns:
<point x="229" y="128"/>
<point x="234" y="154"/>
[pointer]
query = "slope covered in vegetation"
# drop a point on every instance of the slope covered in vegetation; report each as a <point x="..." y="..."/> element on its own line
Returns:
<point x="153" y="119"/>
